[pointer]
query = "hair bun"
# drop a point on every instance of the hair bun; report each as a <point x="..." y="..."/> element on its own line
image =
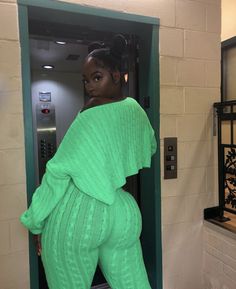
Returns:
<point x="95" y="45"/>
<point x="118" y="46"/>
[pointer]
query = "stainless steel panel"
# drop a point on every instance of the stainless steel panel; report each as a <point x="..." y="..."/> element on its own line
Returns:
<point x="46" y="134"/>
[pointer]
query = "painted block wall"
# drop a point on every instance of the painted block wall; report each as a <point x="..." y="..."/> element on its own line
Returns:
<point x="219" y="246"/>
<point x="219" y="258"/>
<point x="190" y="83"/>
<point x="14" y="267"/>
<point x="228" y="19"/>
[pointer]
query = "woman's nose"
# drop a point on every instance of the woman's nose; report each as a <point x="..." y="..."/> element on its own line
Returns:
<point x="89" y="88"/>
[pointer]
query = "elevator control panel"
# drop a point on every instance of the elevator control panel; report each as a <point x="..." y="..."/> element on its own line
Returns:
<point x="47" y="149"/>
<point x="46" y="134"/>
<point x="170" y="158"/>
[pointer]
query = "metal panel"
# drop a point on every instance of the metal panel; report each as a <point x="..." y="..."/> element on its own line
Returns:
<point x="46" y="134"/>
<point x="170" y="158"/>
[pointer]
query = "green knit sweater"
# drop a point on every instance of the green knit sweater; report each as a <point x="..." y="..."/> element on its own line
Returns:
<point x="103" y="146"/>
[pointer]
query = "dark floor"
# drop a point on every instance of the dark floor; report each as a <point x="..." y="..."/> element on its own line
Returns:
<point x="102" y="286"/>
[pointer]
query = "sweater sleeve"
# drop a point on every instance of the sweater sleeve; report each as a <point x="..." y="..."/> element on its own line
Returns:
<point x="154" y="145"/>
<point x="45" y="198"/>
<point x="76" y="163"/>
<point x="55" y="182"/>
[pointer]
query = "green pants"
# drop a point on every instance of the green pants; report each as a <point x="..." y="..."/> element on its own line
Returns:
<point x="82" y="232"/>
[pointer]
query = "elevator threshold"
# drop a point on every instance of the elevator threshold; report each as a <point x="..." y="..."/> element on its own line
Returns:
<point x="101" y="286"/>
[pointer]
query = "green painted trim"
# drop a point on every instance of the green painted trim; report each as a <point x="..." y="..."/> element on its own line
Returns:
<point x="150" y="77"/>
<point x="151" y="203"/>
<point x="28" y="129"/>
<point x="155" y="103"/>
<point x="89" y="10"/>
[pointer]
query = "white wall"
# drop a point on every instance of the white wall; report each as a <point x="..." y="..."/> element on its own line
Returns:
<point x="219" y="258"/>
<point x="190" y="83"/>
<point x="230" y="73"/>
<point x="219" y="246"/>
<point x="14" y="264"/>
<point x="228" y="19"/>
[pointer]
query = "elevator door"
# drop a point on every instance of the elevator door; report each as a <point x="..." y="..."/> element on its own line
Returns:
<point x="53" y="113"/>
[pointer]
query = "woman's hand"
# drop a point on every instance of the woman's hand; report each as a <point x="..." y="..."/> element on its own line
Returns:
<point x="37" y="241"/>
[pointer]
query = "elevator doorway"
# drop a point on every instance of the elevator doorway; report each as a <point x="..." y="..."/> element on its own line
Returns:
<point x="104" y="23"/>
<point x="58" y="94"/>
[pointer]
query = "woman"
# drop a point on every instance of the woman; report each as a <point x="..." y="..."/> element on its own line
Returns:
<point x="80" y="209"/>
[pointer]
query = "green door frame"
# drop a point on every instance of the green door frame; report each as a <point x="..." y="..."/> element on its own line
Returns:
<point x="149" y="89"/>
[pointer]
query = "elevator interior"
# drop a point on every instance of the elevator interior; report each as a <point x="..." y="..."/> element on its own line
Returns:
<point x="58" y="93"/>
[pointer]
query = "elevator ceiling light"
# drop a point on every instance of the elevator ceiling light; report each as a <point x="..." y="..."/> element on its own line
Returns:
<point x="60" y="42"/>
<point x="48" y="66"/>
<point x="126" y="77"/>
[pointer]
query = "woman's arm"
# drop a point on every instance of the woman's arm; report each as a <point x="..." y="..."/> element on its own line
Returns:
<point x="53" y="186"/>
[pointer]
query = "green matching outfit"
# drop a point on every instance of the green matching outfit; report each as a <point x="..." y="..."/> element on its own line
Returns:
<point x="80" y="208"/>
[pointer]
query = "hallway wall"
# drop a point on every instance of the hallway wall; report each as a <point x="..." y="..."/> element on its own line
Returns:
<point x="228" y="19"/>
<point x="190" y="83"/>
<point x="14" y="268"/>
<point x="219" y="244"/>
<point x="219" y="258"/>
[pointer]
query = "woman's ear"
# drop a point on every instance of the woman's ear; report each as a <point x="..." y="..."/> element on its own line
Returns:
<point x="116" y="76"/>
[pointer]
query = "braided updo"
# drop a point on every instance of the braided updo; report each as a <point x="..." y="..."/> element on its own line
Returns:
<point x="108" y="57"/>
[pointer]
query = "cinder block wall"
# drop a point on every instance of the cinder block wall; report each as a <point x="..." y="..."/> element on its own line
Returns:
<point x="14" y="268"/>
<point x="228" y="27"/>
<point x="219" y="245"/>
<point x="219" y="259"/>
<point x="190" y="81"/>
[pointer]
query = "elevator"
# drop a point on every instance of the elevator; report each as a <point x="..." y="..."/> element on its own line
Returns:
<point x="52" y="98"/>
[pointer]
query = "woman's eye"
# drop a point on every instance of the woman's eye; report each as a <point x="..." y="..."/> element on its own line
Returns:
<point x="84" y="81"/>
<point x="97" y="78"/>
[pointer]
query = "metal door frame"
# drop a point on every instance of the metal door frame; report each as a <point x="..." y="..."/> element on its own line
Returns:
<point x="149" y="96"/>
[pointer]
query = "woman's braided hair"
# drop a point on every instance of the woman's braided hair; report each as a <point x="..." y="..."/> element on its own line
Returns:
<point x="108" y="57"/>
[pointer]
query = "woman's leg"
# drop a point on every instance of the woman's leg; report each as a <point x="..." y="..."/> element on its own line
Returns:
<point x="70" y="242"/>
<point x="123" y="268"/>
<point x="120" y="257"/>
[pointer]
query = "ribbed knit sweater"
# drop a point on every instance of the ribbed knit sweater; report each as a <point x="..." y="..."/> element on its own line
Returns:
<point x="103" y="146"/>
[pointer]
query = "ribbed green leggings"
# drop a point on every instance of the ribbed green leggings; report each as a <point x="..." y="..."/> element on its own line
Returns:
<point x="82" y="232"/>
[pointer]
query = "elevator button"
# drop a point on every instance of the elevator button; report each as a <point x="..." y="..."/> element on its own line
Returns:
<point x="170" y="148"/>
<point x="170" y="168"/>
<point x="170" y="158"/>
<point x="45" y="111"/>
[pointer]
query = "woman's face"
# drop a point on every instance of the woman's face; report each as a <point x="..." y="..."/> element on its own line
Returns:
<point x="98" y="81"/>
